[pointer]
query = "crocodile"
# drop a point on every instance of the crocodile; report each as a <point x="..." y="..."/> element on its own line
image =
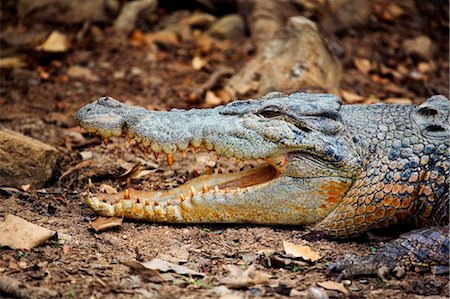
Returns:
<point x="342" y="169"/>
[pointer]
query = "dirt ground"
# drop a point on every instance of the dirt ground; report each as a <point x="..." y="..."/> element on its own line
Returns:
<point x="39" y="100"/>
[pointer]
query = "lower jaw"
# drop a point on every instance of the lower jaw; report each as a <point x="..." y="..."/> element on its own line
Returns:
<point x="225" y="183"/>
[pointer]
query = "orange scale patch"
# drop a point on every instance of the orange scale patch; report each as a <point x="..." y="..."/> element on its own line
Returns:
<point x="396" y="188"/>
<point x="388" y="188"/>
<point x="371" y="208"/>
<point x="427" y="211"/>
<point x="403" y="188"/>
<point x="361" y="210"/>
<point x="359" y="219"/>
<point x="390" y="212"/>
<point x="379" y="213"/>
<point x="406" y="202"/>
<point x="387" y="201"/>
<point x="370" y="218"/>
<point x="379" y="195"/>
<point x="396" y="203"/>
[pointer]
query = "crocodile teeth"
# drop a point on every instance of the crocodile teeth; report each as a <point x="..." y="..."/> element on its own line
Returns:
<point x="205" y="187"/>
<point x="216" y="189"/>
<point x="193" y="191"/>
<point x="126" y="194"/>
<point x="170" y="160"/>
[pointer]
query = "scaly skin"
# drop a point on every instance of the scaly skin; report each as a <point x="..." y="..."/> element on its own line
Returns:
<point x="344" y="168"/>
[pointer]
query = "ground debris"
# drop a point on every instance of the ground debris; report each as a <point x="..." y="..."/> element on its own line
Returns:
<point x="164" y="266"/>
<point x="103" y="223"/>
<point x="13" y="287"/>
<point x="239" y="278"/>
<point x="18" y="233"/>
<point x="334" y="286"/>
<point x="303" y="251"/>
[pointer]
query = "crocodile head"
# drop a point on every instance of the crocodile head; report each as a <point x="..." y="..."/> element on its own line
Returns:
<point x="311" y="159"/>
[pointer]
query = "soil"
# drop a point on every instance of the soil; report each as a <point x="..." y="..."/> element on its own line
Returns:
<point x="40" y="99"/>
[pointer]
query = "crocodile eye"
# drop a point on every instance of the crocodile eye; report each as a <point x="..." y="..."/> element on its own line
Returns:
<point x="270" y="112"/>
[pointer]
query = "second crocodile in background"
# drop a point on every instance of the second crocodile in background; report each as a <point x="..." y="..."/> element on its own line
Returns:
<point x="344" y="168"/>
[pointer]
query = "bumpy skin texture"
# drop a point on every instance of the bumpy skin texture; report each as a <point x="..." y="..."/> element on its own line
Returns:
<point x="344" y="168"/>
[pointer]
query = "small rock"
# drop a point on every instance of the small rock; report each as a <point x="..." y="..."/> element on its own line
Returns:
<point x="17" y="233"/>
<point x="421" y="46"/>
<point x="24" y="160"/>
<point x="228" y="27"/>
<point x="81" y="72"/>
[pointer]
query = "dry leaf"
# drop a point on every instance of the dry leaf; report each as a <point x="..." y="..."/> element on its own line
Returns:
<point x="363" y="65"/>
<point x="17" y="233"/>
<point x="352" y="98"/>
<point x="334" y="286"/>
<point x="402" y="101"/>
<point x="149" y="275"/>
<point x="105" y="188"/>
<point x="164" y="266"/>
<point x="26" y="187"/>
<point x="56" y="42"/>
<point x="238" y="278"/>
<point x="103" y="223"/>
<point x="211" y="99"/>
<point x="302" y="251"/>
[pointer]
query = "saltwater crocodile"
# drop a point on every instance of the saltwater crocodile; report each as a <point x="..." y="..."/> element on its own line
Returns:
<point x="344" y="168"/>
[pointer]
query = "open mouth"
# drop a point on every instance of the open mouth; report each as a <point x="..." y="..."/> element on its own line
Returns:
<point x="224" y="183"/>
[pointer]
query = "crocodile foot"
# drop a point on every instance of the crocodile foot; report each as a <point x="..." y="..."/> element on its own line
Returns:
<point x="421" y="250"/>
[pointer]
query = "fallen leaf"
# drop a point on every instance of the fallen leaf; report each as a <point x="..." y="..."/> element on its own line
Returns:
<point x="164" y="266"/>
<point x="176" y="254"/>
<point x="211" y="99"/>
<point x="103" y="223"/>
<point x="334" y="286"/>
<point x="302" y="251"/>
<point x="56" y="42"/>
<point x="402" y="101"/>
<point x="363" y="65"/>
<point x="105" y="188"/>
<point x="351" y="98"/>
<point x="149" y="275"/>
<point x="26" y="187"/>
<point x="239" y="279"/>
<point x="17" y="233"/>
